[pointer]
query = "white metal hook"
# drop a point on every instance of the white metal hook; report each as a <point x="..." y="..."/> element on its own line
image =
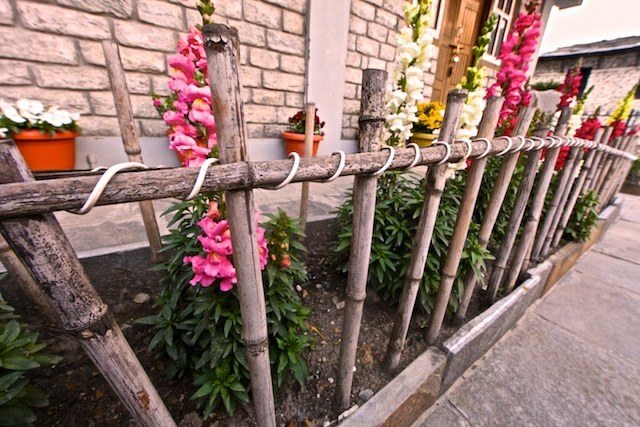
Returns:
<point x="486" y="152"/>
<point x="522" y="142"/>
<point x="103" y="182"/>
<point x="540" y="140"/>
<point x="197" y="185"/>
<point x="448" y="155"/>
<point x="294" y="169"/>
<point x="416" y="157"/>
<point x="469" y="149"/>
<point x="341" y="165"/>
<point x="532" y="146"/>
<point x="506" y="150"/>
<point x="556" y="141"/>
<point x="392" y="153"/>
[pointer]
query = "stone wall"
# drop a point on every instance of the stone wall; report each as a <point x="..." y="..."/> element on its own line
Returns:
<point x="373" y="29"/>
<point x="51" y="51"/>
<point x="613" y="75"/>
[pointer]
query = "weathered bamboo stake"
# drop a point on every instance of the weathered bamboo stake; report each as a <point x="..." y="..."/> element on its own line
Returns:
<point x="309" y="129"/>
<point x="26" y="198"/>
<point x="364" y="200"/>
<point x="223" y="58"/>
<point x="618" y="169"/>
<point x="592" y="175"/>
<point x="486" y="129"/>
<point x="604" y="173"/>
<point x="552" y="212"/>
<point x="435" y="182"/>
<point x="576" y="191"/>
<point x="627" y="165"/>
<point x="498" y="194"/>
<point x="605" y="143"/>
<point x="42" y="246"/>
<point x="522" y="198"/>
<point x="25" y="282"/>
<point x="574" y="167"/>
<point x="130" y="137"/>
<point x="521" y="255"/>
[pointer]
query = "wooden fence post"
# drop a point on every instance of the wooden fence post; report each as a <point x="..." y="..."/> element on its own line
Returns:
<point x="631" y="148"/>
<point x="372" y="113"/>
<point x="475" y="173"/>
<point x="507" y="168"/>
<point x="130" y="137"/>
<point x="522" y="198"/>
<point x="606" y="167"/>
<point x="27" y="285"/>
<point x="617" y="169"/>
<point x="42" y="246"/>
<point x="521" y="254"/>
<point x="597" y="161"/>
<point x="435" y="181"/>
<point x="576" y="191"/>
<point x="308" y="152"/>
<point x="223" y="57"/>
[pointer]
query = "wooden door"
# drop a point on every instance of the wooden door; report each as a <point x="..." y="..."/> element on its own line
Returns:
<point x="460" y="29"/>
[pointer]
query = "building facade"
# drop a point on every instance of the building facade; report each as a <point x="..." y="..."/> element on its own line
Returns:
<point x="292" y="51"/>
<point x="612" y="67"/>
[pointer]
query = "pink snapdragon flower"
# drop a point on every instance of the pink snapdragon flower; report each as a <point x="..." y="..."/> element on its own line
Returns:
<point x="216" y="262"/>
<point x="515" y="55"/>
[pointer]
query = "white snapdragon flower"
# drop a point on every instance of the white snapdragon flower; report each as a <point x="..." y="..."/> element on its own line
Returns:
<point x="574" y="123"/>
<point x="3" y="132"/>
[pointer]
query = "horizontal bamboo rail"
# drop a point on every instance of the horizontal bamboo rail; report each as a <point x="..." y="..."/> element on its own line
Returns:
<point x="26" y="198"/>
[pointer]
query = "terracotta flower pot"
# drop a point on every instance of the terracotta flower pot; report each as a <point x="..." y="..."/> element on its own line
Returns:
<point x="295" y="142"/>
<point x="423" y="139"/>
<point x="46" y="152"/>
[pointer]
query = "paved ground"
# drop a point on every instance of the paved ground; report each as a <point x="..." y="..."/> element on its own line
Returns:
<point x="574" y="358"/>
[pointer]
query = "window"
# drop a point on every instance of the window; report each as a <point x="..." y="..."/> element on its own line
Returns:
<point x="637" y="95"/>
<point x="586" y="73"/>
<point x="504" y="10"/>
<point x="437" y="13"/>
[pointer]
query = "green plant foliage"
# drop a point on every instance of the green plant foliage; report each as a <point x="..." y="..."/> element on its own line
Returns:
<point x="400" y="197"/>
<point x="20" y="352"/>
<point x="584" y="218"/>
<point x="199" y="330"/>
<point x="545" y="85"/>
<point x="634" y="173"/>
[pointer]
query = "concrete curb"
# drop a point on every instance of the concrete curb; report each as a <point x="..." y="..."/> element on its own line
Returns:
<point x="408" y="395"/>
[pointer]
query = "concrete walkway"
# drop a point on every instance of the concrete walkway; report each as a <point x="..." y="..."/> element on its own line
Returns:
<point x="574" y="358"/>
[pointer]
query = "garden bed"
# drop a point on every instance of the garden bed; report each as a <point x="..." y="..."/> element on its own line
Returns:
<point x="80" y="396"/>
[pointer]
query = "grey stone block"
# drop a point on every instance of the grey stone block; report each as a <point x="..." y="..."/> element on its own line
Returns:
<point x="475" y="338"/>
<point x="406" y="397"/>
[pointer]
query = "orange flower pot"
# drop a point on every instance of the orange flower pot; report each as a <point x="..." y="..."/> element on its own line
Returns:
<point x="295" y="142"/>
<point x="46" y="152"/>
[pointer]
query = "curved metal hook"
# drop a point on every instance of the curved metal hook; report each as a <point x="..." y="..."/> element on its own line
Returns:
<point x="197" y="185"/>
<point x="392" y="153"/>
<point x="486" y="152"/>
<point x="341" y="165"/>
<point x="509" y="147"/>
<point x="416" y="157"/>
<point x="294" y="169"/>
<point x="448" y="155"/>
<point x="469" y="149"/>
<point x="103" y="182"/>
<point x="523" y="141"/>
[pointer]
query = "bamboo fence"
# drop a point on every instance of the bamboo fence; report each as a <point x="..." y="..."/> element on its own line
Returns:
<point x="34" y="235"/>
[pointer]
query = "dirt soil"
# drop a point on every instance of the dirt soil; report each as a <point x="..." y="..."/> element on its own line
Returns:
<point x="79" y="396"/>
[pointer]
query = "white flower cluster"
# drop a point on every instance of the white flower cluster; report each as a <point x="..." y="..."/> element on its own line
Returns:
<point x="407" y="83"/>
<point x="575" y="121"/>
<point x="35" y="114"/>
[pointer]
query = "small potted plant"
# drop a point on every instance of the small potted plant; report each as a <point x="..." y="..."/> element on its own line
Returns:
<point x="429" y="121"/>
<point x="44" y="135"/>
<point x="294" y="137"/>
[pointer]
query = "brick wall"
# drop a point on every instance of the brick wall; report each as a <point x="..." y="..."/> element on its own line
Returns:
<point x="612" y="75"/>
<point x="373" y="28"/>
<point x="51" y="51"/>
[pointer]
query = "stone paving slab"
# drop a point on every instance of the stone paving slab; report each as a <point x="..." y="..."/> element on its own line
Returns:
<point x="574" y="358"/>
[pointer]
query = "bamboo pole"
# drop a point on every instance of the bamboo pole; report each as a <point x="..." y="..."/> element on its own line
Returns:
<point x="372" y="109"/>
<point x="26" y="198"/>
<point x="617" y="142"/>
<point x="606" y="143"/>
<point x="573" y="165"/>
<point x="521" y="255"/>
<point x="25" y="282"/>
<point x="627" y="164"/>
<point x="475" y="173"/>
<point x="130" y="137"/>
<point x="435" y="181"/>
<point x="592" y="175"/>
<point x="522" y="198"/>
<point x="308" y="152"/>
<point x="223" y="59"/>
<point x="42" y="246"/>
<point x="617" y="168"/>
<point x="576" y="191"/>
<point x="498" y="194"/>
